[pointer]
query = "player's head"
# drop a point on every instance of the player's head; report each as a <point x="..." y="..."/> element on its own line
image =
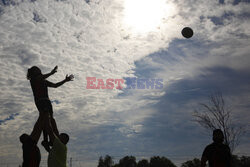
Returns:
<point x="64" y="138"/>
<point x="218" y="136"/>
<point x="23" y="137"/>
<point x="33" y="72"/>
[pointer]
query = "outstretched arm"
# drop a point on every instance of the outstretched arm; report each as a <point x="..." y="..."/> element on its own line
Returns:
<point x="54" y="126"/>
<point x="55" y="85"/>
<point x="48" y="127"/>
<point x="37" y="130"/>
<point x="51" y="129"/>
<point x="51" y="73"/>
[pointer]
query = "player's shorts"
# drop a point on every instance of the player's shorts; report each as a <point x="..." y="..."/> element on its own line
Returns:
<point x="44" y="105"/>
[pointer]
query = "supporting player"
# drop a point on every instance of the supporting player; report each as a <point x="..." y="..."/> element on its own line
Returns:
<point x="58" y="152"/>
<point x="31" y="153"/>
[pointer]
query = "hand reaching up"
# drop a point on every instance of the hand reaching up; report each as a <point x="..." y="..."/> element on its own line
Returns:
<point x="54" y="70"/>
<point x="69" y="78"/>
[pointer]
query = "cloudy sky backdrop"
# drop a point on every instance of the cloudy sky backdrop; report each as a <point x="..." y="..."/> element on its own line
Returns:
<point x="119" y="39"/>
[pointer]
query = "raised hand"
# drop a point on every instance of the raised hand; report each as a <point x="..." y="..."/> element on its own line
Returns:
<point x="54" y="70"/>
<point x="69" y="78"/>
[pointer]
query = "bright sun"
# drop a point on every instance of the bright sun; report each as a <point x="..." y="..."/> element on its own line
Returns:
<point x="142" y="16"/>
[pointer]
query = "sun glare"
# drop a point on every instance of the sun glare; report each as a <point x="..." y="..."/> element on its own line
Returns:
<point x="142" y="16"/>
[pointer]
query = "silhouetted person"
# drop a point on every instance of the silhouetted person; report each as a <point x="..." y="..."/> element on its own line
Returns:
<point x="39" y="86"/>
<point x="217" y="154"/>
<point x="58" y="152"/>
<point x="31" y="153"/>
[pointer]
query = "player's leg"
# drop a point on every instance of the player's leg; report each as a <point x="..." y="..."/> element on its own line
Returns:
<point x="52" y="122"/>
<point x="41" y="106"/>
<point x="44" y="108"/>
<point x="45" y="142"/>
<point x="54" y="126"/>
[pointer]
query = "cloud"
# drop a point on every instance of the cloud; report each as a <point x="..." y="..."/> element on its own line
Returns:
<point x="11" y="117"/>
<point x="38" y="18"/>
<point x="170" y="130"/>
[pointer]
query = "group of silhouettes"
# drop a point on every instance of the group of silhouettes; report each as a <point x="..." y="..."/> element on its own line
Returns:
<point x="53" y="141"/>
<point x="217" y="154"/>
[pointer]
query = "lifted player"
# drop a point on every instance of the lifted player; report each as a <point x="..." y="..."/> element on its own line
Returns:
<point x="39" y="86"/>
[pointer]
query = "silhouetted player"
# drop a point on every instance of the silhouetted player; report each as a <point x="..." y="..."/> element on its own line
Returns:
<point x="39" y="86"/>
<point x="217" y="154"/>
<point x="58" y="151"/>
<point x="31" y="153"/>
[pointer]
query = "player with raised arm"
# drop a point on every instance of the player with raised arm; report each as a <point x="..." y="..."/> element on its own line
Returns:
<point x="58" y="152"/>
<point x="39" y="86"/>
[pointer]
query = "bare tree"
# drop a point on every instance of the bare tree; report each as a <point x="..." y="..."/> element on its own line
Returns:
<point x="215" y="115"/>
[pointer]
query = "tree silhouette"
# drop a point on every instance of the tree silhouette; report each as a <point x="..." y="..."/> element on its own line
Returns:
<point x="143" y="163"/>
<point x="106" y="162"/>
<point x="216" y="116"/>
<point x="192" y="163"/>
<point x="243" y="161"/>
<point x="128" y="161"/>
<point x="156" y="161"/>
<point x="100" y="162"/>
<point x="160" y="162"/>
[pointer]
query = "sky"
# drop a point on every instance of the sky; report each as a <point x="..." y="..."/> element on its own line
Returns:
<point x="122" y="39"/>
